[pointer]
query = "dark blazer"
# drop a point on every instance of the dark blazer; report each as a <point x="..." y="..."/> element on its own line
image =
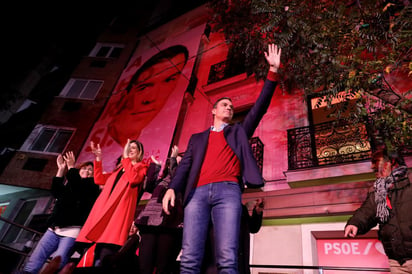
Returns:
<point x="237" y="136"/>
<point x="74" y="200"/>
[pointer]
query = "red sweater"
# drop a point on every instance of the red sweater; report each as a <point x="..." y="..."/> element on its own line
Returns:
<point x="272" y="76"/>
<point x="220" y="163"/>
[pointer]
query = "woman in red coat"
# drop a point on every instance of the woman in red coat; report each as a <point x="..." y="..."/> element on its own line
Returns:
<point x="109" y="221"/>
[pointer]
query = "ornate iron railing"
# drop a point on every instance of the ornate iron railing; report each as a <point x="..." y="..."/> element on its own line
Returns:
<point x="327" y="143"/>
<point x="257" y="149"/>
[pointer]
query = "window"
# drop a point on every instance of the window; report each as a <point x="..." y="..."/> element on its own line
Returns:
<point x="329" y="139"/>
<point x="24" y="211"/>
<point x="106" y="50"/>
<point x="81" y="88"/>
<point x="26" y="208"/>
<point x="48" y="139"/>
<point x="321" y="113"/>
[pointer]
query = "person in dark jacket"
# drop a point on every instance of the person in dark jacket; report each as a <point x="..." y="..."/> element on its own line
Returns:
<point x="161" y="234"/>
<point x="74" y="200"/>
<point x="249" y="224"/>
<point x="388" y="204"/>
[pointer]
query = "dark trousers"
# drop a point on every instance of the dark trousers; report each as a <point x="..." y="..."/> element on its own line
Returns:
<point x="102" y="250"/>
<point x="158" y="250"/>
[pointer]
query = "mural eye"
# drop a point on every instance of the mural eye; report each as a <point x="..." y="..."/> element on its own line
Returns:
<point x="140" y="87"/>
<point x="171" y="78"/>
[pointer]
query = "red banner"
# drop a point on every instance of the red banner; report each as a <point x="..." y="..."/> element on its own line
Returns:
<point x="147" y="99"/>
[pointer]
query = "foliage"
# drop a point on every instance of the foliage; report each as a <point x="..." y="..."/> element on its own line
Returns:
<point x="329" y="47"/>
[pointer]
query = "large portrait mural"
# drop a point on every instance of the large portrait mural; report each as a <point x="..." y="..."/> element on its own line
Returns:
<point x="145" y="102"/>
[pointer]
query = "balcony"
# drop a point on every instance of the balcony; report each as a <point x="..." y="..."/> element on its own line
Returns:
<point x="257" y="149"/>
<point x="224" y="70"/>
<point x="326" y="144"/>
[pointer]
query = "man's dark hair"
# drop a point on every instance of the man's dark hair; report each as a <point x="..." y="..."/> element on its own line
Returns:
<point x="165" y="54"/>
<point x="220" y="99"/>
<point x="393" y="156"/>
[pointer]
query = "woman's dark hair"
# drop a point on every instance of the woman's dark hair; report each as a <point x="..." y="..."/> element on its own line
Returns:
<point x="88" y="163"/>
<point x="165" y="54"/>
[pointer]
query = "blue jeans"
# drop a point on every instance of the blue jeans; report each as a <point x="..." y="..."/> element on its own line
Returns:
<point x="221" y="203"/>
<point x="50" y="242"/>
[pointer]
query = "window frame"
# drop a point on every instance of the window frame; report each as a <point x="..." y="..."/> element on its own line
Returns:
<point x="73" y="81"/>
<point x="37" y="131"/>
<point x="99" y="46"/>
<point x="20" y="236"/>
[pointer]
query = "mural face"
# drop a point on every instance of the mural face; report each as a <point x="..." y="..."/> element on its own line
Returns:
<point x="145" y="98"/>
<point x="146" y="101"/>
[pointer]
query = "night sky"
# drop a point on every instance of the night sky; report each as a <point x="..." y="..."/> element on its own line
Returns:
<point x="35" y="28"/>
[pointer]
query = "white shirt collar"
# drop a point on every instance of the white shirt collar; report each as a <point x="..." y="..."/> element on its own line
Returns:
<point x="212" y="128"/>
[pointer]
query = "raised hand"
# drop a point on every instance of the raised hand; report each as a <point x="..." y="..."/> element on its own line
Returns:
<point x="61" y="164"/>
<point x="126" y="149"/>
<point x="96" y="150"/>
<point x="69" y="159"/>
<point x="159" y="163"/>
<point x="175" y="151"/>
<point x="273" y="57"/>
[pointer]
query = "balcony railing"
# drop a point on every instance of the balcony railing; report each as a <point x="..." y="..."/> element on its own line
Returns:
<point x="257" y="149"/>
<point x="327" y="143"/>
<point x="16" y="244"/>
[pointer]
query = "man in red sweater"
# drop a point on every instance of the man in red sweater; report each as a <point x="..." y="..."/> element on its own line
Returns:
<point x="216" y="166"/>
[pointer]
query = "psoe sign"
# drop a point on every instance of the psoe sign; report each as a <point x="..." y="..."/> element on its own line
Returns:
<point x="361" y="252"/>
<point x="351" y="248"/>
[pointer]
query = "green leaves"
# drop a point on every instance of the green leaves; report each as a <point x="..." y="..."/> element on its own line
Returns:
<point x="327" y="46"/>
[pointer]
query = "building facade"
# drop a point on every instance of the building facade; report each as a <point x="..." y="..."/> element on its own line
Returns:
<point x="316" y="175"/>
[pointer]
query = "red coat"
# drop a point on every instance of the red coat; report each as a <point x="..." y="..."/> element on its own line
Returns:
<point x="113" y="213"/>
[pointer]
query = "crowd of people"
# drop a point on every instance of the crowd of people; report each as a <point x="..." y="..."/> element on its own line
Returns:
<point x="95" y="214"/>
<point x="195" y="213"/>
<point x="92" y="221"/>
